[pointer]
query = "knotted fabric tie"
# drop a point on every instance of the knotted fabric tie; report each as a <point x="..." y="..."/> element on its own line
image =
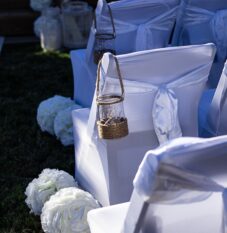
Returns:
<point x="165" y="115"/>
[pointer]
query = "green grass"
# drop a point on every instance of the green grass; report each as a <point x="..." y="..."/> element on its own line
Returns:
<point x="28" y="76"/>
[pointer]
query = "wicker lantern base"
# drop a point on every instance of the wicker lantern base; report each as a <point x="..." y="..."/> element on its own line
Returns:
<point x="113" y="131"/>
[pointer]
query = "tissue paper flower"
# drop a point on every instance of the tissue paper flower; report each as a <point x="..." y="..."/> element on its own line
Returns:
<point x="66" y="211"/>
<point x="38" y="25"/>
<point x="39" y="5"/>
<point x="48" y="110"/>
<point x="47" y="184"/>
<point x="63" y="125"/>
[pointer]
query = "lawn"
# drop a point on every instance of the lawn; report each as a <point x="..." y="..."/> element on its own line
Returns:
<point x="28" y="76"/>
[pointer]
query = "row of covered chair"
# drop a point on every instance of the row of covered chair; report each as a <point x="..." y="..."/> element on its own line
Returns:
<point x="163" y="86"/>
<point x="141" y="25"/>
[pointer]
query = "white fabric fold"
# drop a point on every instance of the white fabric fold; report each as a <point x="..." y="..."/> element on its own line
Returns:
<point x="144" y="31"/>
<point x="165" y="115"/>
<point x="215" y="110"/>
<point x="175" y="185"/>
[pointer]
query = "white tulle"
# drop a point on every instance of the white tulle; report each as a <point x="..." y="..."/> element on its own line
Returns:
<point x="66" y="211"/>
<point x="47" y="184"/>
<point x="39" y="5"/>
<point x="48" y="109"/>
<point x="63" y="125"/>
<point x="38" y="25"/>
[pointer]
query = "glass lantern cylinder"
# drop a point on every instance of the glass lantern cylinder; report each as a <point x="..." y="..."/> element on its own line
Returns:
<point x="51" y="31"/>
<point x="104" y="41"/>
<point x="111" y="123"/>
<point x="76" y="20"/>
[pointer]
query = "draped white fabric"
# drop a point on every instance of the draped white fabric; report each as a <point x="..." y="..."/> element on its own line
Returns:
<point x="144" y="33"/>
<point x="165" y="115"/>
<point x="161" y="179"/>
<point x="216" y="123"/>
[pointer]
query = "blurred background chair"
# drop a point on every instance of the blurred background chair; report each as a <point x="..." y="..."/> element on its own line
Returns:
<point x="162" y="92"/>
<point x="180" y="187"/>
<point x="137" y="25"/>
<point x="199" y="22"/>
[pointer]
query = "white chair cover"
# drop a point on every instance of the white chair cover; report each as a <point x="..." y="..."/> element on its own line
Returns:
<point x="157" y="107"/>
<point x="201" y="22"/>
<point x="140" y="25"/>
<point x="179" y="187"/>
<point x="217" y="111"/>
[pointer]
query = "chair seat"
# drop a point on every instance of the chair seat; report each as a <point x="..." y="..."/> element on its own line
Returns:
<point x="201" y="217"/>
<point x="109" y="219"/>
<point x="84" y="78"/>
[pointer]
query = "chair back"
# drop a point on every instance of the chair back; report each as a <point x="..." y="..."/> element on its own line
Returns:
<point x="183" y="172"/>
<point x="157" y="85"/>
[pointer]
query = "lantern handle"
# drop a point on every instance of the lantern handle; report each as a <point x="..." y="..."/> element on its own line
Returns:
<point x="112" y="21"/>
<point x="119" y="77"/>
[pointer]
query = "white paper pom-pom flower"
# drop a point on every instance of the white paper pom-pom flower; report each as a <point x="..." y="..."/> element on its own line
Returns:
<point x="63" y="125"/>
<point x="48" y="183"/>
<point x="48" y="110"/>
<point x="66" y="211"/>
<point x="39" y="5"/>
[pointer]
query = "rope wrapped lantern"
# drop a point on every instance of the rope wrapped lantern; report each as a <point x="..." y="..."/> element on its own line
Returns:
<point x="111" y="123"/>
<point x="104" y="41"/>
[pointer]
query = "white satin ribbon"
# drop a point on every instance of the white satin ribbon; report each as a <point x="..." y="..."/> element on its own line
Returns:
<point x="218" y="22"/>
<point x="163" y="183"/>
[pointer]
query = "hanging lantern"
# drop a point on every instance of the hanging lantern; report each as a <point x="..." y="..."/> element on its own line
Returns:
<point x="104" y="42"/>
<point x="111" y="122"/>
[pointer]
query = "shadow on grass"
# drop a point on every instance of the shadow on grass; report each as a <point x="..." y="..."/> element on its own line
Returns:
<point x="28" y="76"/>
